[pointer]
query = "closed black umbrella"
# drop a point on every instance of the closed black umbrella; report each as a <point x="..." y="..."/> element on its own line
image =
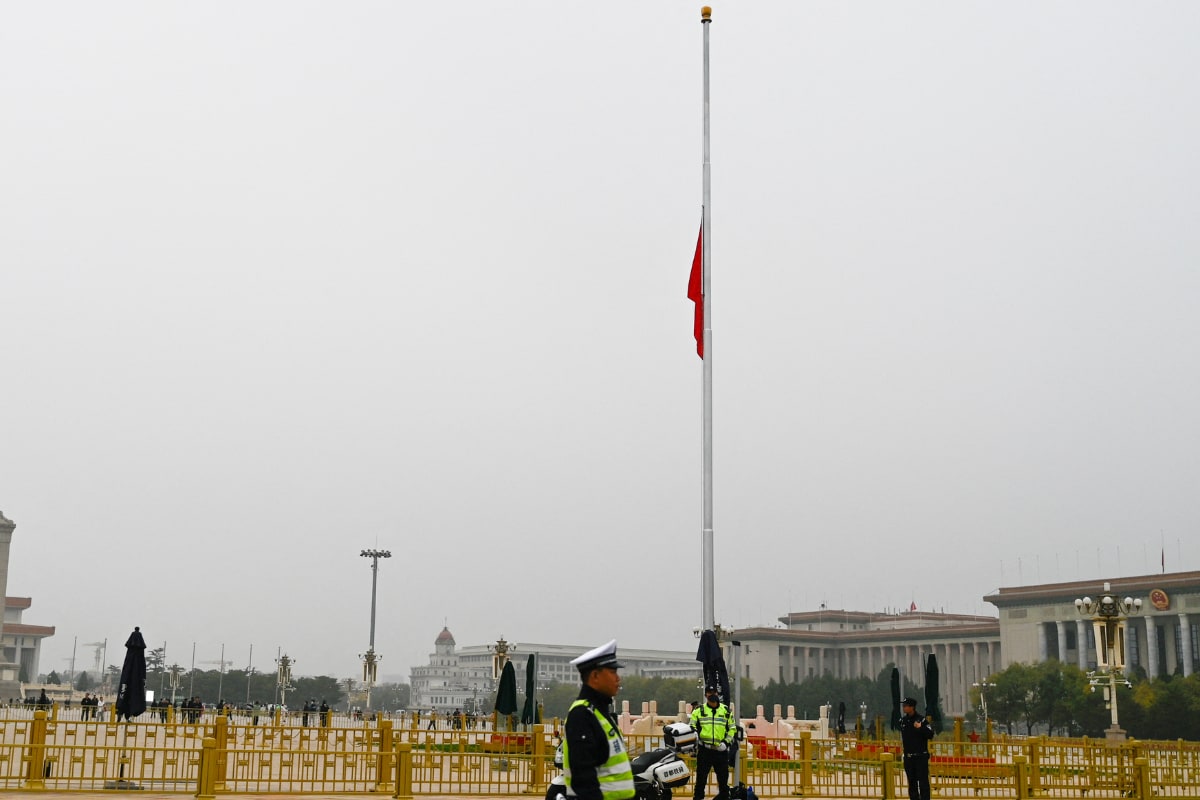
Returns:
<point x="932" y="678"/>
<point x="529" y="713"/>
<point x="131" y="697"/>
<point x="506" y="693"/>
<point x="895" y="699"/>
<point x="709" y="654"/>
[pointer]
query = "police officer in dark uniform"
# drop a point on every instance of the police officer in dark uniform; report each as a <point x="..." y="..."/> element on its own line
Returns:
<point x="915" y="733"/>
<point x="595" y="762"/>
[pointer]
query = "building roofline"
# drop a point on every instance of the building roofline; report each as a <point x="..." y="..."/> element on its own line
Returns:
<point x="20" y="628"/>
<point x="522" y="650"/>
<point x="841" y="615"/>
<point x="981" y="629"/>
<point x="1057" y="592"/>
<point x="18" y="602"/>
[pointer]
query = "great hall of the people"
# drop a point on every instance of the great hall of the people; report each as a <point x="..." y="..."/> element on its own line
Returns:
<point x="1035" y="623"/>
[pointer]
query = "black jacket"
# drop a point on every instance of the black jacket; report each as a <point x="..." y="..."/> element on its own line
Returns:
<point x="587" y="744"/>
<point x="916" y="740"/>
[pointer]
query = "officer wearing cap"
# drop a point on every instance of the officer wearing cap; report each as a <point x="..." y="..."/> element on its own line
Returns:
<point x="595" y="761"/>
<point x="915" y="733"/>
<point x="716" y="729"/>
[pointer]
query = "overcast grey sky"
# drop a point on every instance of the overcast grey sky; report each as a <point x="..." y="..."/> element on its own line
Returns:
<point x="280" y="281"/>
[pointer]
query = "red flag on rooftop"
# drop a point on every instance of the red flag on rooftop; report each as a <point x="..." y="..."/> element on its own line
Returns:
<point x="913" y="607"/>
<point x="696" y="291"/>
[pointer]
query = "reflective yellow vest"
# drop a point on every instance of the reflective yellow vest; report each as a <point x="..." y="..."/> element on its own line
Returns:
<point x="714" y="726"/>
<point x="615" y="774"/>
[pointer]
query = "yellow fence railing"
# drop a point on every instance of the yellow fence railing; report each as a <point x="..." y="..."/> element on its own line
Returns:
<point x="216" y="756"/>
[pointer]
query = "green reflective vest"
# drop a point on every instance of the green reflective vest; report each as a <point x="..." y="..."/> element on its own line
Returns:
<point x="615" y="774"/>
<point x="713" y="726"/>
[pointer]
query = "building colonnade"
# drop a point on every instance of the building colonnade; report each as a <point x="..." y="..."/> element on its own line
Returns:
<point x="1147" y="640"/>
<point x="960" y="664"/>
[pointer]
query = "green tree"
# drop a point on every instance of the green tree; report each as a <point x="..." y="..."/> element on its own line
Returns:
<point x="390" y="696"/>
<point x="1055" y="686"/>
<point x="1174" y="710"/>
<point x="54" y="678"/>
<point x="156" y="660"/>
<point x="558" y="699"/>
<point x="806" y="697"/>
<point x="1013" y="699"/>
<point x="84" y="682"/>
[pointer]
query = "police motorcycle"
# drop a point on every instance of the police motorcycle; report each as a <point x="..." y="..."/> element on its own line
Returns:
<point x="655" y="772"/>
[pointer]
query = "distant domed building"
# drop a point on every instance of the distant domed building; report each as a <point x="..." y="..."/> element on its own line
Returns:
<point x="445" y="684"/>
<point x="466" y="679"/>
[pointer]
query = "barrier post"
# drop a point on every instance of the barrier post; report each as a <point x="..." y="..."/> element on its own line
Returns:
<point x="36" y="777"/>
<point x="806" y="759"/>
<point x="1022" y="769"/>
<point x="221" y="735"/>
<point x="1035" y="764"/>
<point x="404" y="768"/>
<point x="537" y="776"/>
<point x="958" y="736"/>
<point x="207" y="776"/>
<point x="1141" y="778"/>
<point x="888" y="773"/>
<point x="387" y="746"/>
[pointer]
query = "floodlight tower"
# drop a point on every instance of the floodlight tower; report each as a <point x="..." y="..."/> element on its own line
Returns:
<point x="371" y="659"/>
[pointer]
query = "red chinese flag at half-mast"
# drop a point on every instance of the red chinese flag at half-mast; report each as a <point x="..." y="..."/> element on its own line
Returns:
<point x="696" y="291"/>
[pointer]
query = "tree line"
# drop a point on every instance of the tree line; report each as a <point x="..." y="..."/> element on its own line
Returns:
<point x="1059" y="700"/>
<point x="1046" y="698"/>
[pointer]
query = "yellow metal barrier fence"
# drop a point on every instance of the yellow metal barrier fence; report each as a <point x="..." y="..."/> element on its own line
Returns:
<point x="216" y="756"/>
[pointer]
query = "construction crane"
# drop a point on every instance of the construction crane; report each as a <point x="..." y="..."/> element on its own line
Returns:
<point x="222" y="664"/>
<point x="100" y="646"/>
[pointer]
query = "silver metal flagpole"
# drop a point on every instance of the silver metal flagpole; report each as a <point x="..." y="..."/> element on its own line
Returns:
<point x="705" y="270"/>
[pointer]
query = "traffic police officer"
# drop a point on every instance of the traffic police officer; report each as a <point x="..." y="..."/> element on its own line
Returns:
<point x="595" y="761"/>
<point x="715" y="728"/>
<point x="915" y="733"/>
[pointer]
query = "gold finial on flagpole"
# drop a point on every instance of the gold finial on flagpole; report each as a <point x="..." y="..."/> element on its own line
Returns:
<point x="706" y="14"/>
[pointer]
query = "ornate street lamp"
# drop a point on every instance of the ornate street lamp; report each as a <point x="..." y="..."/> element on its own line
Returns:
<point x="983" y="686"/>
<point x="176" y="673"/>
<point x="283" y="677"/>
<point x="1107" y="614"/>
<point x="500" y="651"/>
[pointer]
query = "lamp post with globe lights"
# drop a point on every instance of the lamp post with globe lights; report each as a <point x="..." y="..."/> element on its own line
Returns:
<point x="983" y="686"/>
<point x="1108" y="613"/>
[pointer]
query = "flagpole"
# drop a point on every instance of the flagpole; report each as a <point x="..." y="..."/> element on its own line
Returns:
<point x="705" y="269"/>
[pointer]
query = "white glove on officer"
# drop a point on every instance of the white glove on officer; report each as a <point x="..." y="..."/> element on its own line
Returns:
<point x="722" y="747"/>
